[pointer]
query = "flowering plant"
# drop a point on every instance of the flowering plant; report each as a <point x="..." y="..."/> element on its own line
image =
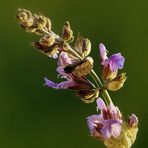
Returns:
<point x="75" y="65"/>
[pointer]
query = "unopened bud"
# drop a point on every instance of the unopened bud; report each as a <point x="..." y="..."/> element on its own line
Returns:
<point x="133" y="121"/>
<point x="67" y="33"/>
<point x="89" y="95"/>
<point x="41" y="22"/>
<point x="107" y="74"/>
<point x="125" y="140"/>
<point x="25" y="18"/>
<point x="117" y="82"/>
<point x="47" y="40"/>
<point x="82" y="46"/>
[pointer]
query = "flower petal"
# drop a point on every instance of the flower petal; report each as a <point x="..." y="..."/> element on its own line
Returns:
<point x="91" y="126"/>
<point x="116" y="61"/>
<point x="103" y="52"/>
<point x="106" y="131"/>
<point x="61" y="85"/>
<point x="101" y="105"/>
<point x="93" y="122"/>
<point x="116" y="129"/>
<point x="64" y="59"/>
<point x="112" y="108"/>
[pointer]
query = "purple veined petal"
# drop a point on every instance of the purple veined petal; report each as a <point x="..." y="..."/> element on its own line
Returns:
<point x="61" y="85"/>
<point x="101" y="105"/>
<point x="116" y="61"/>
<point x="116" y="129"/>
<point x="106" y="131"/>
<point x="103" y="52"/>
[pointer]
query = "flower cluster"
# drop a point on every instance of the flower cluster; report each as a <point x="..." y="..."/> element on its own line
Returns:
<point x="106" y="124"/>
<point x="75" y="66"/>
<point x="110" y="127"/>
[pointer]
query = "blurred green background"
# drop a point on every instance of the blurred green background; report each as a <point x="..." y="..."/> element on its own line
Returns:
<point x="33" y="116"/>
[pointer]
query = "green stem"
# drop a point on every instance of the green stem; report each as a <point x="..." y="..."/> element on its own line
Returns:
<point x="105" y="93"/>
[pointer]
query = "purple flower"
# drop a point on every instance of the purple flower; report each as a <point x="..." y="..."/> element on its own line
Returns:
<point x="115" y="62"/>
<point x="106" y="124"/>
<point x="64" y="60"/>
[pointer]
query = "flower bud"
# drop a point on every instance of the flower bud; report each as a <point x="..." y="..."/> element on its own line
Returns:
<point x="41" y="22"/>
<point x="47" y="40"/>
<point x="25" y="18"/>
<point x="125" y="140"/>
<point x="67" y="33"/>
<point x="88" y="95"/>
<point x="107" y="74"/>
<point x="82" y="46"/>
<point x="133" y="121"/>
<point x="117" y="82"/>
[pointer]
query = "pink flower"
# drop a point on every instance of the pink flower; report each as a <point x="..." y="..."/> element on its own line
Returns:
<point x="115" y="62"/>
<point x="106" y="124"/>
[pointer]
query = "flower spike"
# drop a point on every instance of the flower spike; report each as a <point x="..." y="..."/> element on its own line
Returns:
<point x="75" y="68"/>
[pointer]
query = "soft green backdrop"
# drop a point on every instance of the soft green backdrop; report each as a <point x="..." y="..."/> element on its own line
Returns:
<point x="33" y="116"/>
